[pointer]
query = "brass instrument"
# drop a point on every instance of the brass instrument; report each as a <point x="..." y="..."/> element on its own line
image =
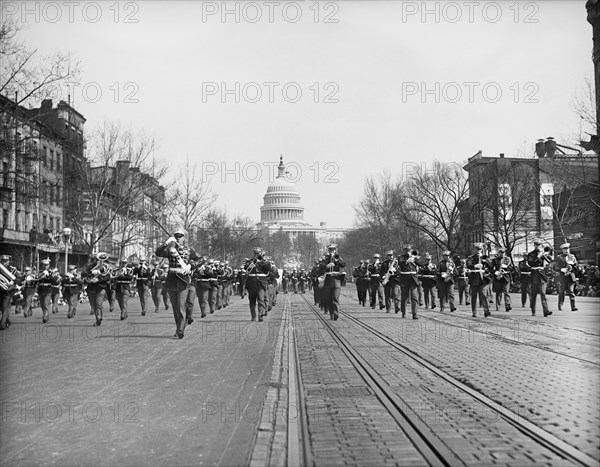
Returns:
<point x="391" y="270"/>
<point x="447" y="275"/>
<point x="99" y="270"/>
<point x="7" y="279"/>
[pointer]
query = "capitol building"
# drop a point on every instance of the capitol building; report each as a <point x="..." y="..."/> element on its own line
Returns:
<point x="282" y="211"/>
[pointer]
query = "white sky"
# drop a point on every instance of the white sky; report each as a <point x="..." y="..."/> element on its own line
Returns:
<point x="370" y="54"/>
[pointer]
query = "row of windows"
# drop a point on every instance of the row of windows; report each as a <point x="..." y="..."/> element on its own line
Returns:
<point x="280" y="200"/>
<point x="51" y="160"/>
<point x="51" y="194"/>
<point x="24" y="220"/>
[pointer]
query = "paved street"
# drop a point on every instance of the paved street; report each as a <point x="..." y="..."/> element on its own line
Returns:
<point x="128" y="393"/>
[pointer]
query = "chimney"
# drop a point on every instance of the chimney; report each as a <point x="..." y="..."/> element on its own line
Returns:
<point x="501" y="155"/>
<point x="540" y="148"/>
<point x="550" y="146"/>
<point x="46" y="105"/>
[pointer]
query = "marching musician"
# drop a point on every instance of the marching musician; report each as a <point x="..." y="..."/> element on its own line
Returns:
<point x="294" y="280"/>
<point x="361" y="274"/>
<point x="242" y="280"/>
<point x="446" y="271"/>
<point x="285" y="280"/>
<point x="302" y="277"/>
<point x="257" y="269"/>
<point x="375" y="286"/>
<point x="391" y="288"/>
<point x="97" y="276"/>
<point x="566" y="266"/>
<point x="56" y="280"/>
<point x="45" y="281"/>
<point x="334" y="277"/>
<point x="143" y="274"/>
<point x="272" y="281"/>
<point x="178" y="278"/>
<point x="227" y="281"/>
<point x="428" y="276"/>
<point x="8" y="287"/>
<point x="462" y="280"/>
<point x="525" y="280"/>
<point x="29" y="291"/>
<point x="111" y="291"/>
<point x="314" y="277"/>
<point x="124" y="278"/>
<point x="72" y="284"/>
<point x="479" y="267"/>
<point x="205" y="277"/>
<point x="161" y="281"/>
<point x="408" y="267"/>
<point x="538" y="260"/>
<point x="502" y="267"/>
<point x="220" y="278"/>
<point x="156" y="286"/>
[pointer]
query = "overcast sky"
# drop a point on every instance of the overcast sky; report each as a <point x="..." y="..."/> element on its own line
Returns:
<point x="369" y="66"/>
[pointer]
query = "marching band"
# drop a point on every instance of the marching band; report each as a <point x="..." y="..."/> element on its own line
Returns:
<point x="185" y="276"/>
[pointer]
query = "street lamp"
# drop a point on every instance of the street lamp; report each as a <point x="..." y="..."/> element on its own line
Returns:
<point x="67" y="235"/>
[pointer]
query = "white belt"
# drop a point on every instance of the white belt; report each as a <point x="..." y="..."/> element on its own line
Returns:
<point x="408" y="272"/>
<point x="525" y="273"/>
<point x="206" y="280"/>
<point x="257" y="275"/>
<point x="179" y="270"/>
<point x="537" y="267"/>
<point x="374" y="275"/>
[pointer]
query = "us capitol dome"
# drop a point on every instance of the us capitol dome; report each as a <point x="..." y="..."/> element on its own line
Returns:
<point x="282" y="210"/>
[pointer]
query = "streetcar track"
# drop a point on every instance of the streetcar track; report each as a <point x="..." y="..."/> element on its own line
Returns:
<point x="532" y="431"/>
<point x="505" y="338"/>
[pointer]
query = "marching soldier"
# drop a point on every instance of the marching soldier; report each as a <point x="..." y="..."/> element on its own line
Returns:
<point x="72" y="285"/>
<point x="502" y="268"/>
<point x="29" y="290"/>
<point x="227" y="281"/>
<point x="272" y="280"/>
<point x="302" y="280"/>
<point x="566" y="266"/>
<point x="391" y="282"/>
<point x="285" y="280"/>
<point x="143" y="275"/>
<point x="428" y="276"/>
<point x="294" y="280"/>
<point x="97" y="275"/>
<point x="8" y="290"/>
<point x="361" y="273"/>
<point x="462" y="280"/>
<point x="111" y="291"/>
<point x="178" y="278"/>
<point x="45" y="282"/>
<point x="375" y="287"/>
<point x="257" y="270"/>
<point x="334" y="277"/>
<point x="538" y="260"/>
<point x="156" y="285"/>
<point x="205" y="276"/>
<point x="408" y="266"/>
<point x="242" y="279"/>
<point x="525" y="279"/>
<point x="446" y="270"/>
<point x="162" y="279"/>
<point x="56" y="280"/>
<point x="314" y="278"/>
<point x="123" y="281"/>
<point x="479" y="267"/>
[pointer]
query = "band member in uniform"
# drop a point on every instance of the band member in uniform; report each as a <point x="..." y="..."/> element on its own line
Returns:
<point x="9" y="285"/>
<point x="156" y="285"/>
<point x="391" y="282"/>
<point x="294" y="281"/>
<point x="525" y="279"/>
<point x="97" y="276"/>
<point x="428" y="276"/>
<point x="143" y="275"/>
<point x="314" y="277"/>
<point x="44" y="290"/>
<point x="272" y="281"/>
<point x="462" y="280"/>
<point x="29" y="290"/>
<point x="334" y="277"/>
<point x="361" y="274"/>
<point x="538" y="260"/>
<point x="72" y="285"/>
<point x="408" y="267"/>
<point x="205" y="276"/>
<point x="178" y="277"/>
<point x="285" y="280"/>
<point x="257" y="270"/>
<point x="111" y="292"/>
<point x="502" y="267"/>
<point x="124" y="278"/>
<point x="56" y="280"/>
<point x="227" y="282"/>
<point x="566" y="266"/>
<point x="242" y="279"/>
<point x="375" y="287"/>
<point x="446" y="269"/>
<point x="479" y="270"/>
<point x="302" y="281"/>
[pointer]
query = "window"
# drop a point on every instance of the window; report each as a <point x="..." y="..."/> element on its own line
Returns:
<point x="44" y="221"/>
<point x="5" y="218"/>
<point x="58" y="198"/>
<point x="51" y="225"/>
<point x="46" y="156"/>
<point x="58" y="163"/>
<point x="51" y="160"/>
<point x="18" y="220"/>
<point x="34" y="220"/>
<point x="5" y="174"/>
<point x="26" y="221"/>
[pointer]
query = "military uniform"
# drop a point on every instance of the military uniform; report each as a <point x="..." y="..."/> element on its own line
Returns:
<point x="205" y="276"/>
<point x="6" y="296"/>
<point x="143" y="274"/>
<point x="97" y="276"/>
<point x="538" y="261"/>
<point x="479" y="269"/>
<point x="242" y="282"/>
<point x="294" y="281"/>
<point x="272" y="280"/>
<point x="124" y="278"/>
<point x="567" y="268"/>
<point x="285" y="280"/>
<point x="56" y="280"/>
<point x="462" y="281"/>
<point x="178" y="278"/>
<point x="502" y="268"/>
<point x="302" y="281"/>
<point x="428" y="276"/>
<point x="361" y="274"/>
<point x="314" y="278"/>
<point x="408" y="267"/>
<point x="156" y="287"/>
<point x="334" y="276"/>
<point x="446" y="270"/>
<point x="44" y="289"/>
<point x="391" y="288"/>
<point x="29" y="291"/>
<point x="72" y="284"/>
<point x="525" y="279"/>
<point x="257" y="270"/>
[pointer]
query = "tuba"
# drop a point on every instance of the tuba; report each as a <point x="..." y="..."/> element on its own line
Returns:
<point x="7" y="279"/>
